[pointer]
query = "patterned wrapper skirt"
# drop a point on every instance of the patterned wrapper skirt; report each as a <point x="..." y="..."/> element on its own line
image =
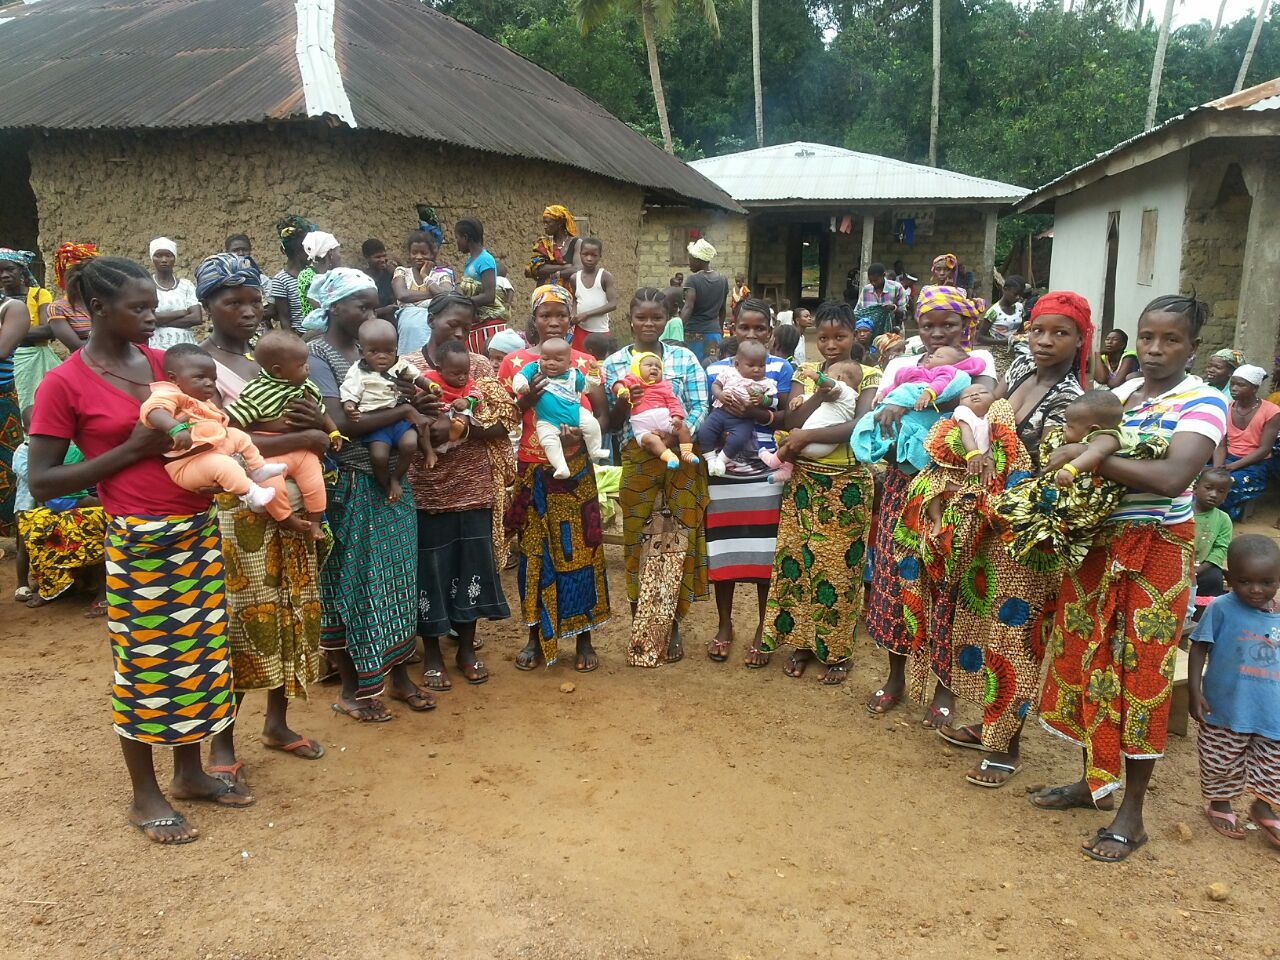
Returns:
<point x="1114" y="644"/>
<point x="30" y="364"/>
<point x="815" y="596"/>
<point x="61" y="544"/>
<point x="742" y="527"/>
<point x="458" y="578"/>
<point x="10" y="437"/>
<point x="684" y="491"/>
<point x="368" y="586"/>
<point x="1247" y="484"/>
<point x="273" y="600"/>
<point x="563" y="590"/>
<point x="885" y="622"/>
<point x="168" y="625"/>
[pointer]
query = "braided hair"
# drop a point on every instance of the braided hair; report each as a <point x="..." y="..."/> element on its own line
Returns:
<point x="102" y="278"/>
<point x="1194" y="312"/>
<point x="650" y="295"/>
<point x="754" y="305"/>
<point x="837" y="312"/>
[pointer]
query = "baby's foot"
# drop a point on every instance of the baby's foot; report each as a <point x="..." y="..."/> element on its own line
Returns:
<point x="431" y="459"/>
<point x="690" y="457"/>
<point x="317" y="532"/>
<point x="256" y="497"/>
<point x="601" y="454"/>
<point x="394" y="490"/>
<point x="782" y="474"/>
<point x="770" y="459"/>
<point x="267" y="471"/>
<point x="295" y="524"/>
<point x="716" y="464"/>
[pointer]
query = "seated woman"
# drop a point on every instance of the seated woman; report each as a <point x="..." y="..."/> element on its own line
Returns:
<point x="1252" y="426"/>
<point x="1116" y="361"/>
<point x="1220" y="368"/>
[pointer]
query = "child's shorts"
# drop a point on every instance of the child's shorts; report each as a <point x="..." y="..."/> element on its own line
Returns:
<point x="389" y="435"/>
<point x="657" y="420"/>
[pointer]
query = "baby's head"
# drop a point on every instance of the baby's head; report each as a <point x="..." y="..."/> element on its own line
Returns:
<point x="599" y="345"/>
<point x="1253" y="562"/>
<point x="647" y="366"/>
<point x="1094" y="410"/>
<point x="282" y="354"/>
<point x="750" y="359"/>
<point x="978" y="397"/>
<point x="555" y="357"/>
<point x="944" y="357"/>
<point x="454" y="363"/>
<point x="1212" y="487"/>
<point x="379" y="344"/>
<point x="193" y="370"/>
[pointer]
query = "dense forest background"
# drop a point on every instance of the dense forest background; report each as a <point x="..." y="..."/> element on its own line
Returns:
<point x="1028" y="90"/>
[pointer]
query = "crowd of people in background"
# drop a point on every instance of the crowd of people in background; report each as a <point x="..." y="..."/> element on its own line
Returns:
<point x="940" y="470"/>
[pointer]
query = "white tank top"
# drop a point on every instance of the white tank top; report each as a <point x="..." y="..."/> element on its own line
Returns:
<point x="592" y="298"/>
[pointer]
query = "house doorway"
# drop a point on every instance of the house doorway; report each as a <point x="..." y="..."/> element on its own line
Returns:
<point x="1109" y="285"/>
<point x="808" y="246"/>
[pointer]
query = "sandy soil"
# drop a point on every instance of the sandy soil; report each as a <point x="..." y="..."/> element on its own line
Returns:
<point x="697" y="810"/>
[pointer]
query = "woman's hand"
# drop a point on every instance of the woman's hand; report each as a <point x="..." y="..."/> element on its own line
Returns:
<point x="303" y="413"/>
<point x="144" y="443"/>
<point x="635" y="393"/>
<point x="317" y="441"/>
<point x="527" y="399"/>
<point x="796" y="440"/>
<point x="797" y="401"/>
<point x="1062" y="456"/>
<point x="889" y="418"/>
<point x="736" y="404"/>
<point x="429" y="405"/>
<point x="570" y="433"/>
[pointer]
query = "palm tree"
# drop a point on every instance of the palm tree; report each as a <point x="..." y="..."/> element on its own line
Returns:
<point x="656" y="16"/>
<point x="1157" y="68"/>
<point x="937" y="82"/>
<point x="755" y="68"/>
<point x="1253" y="45"/>
<point x="1217" y="25"/>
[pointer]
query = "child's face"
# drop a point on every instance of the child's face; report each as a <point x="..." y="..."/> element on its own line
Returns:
<point x="379" y="351"/>
<point x="496" y="357"/>
<point x="196" y="377"/>
<point x="1077" y="426"/>
<point x="555" y="358"/>
<point x="1255" y="580"/>
<point x="455" y="369"/>
<point x="590" y="257"/>
<point x="750" y="363"/>
<point x="421" y="255"/>
<point x="978" y="398"/>
<point x="650" y="369"/>
<point x="835" y="341"/>
<point x="893" y="352"/>
<point x="292" y="367"/>
<point x="1210" y="492"/>
<point x="943" y="357"/>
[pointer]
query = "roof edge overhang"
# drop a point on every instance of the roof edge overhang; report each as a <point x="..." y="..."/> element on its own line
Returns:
<point x="810" y="205"/>
<point x="1178" y="134"/>
<point x="329" y="121"/>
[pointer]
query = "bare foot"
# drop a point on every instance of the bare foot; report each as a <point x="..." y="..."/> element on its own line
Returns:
<point x="587" y="660"/>
<point x="394" y="490"/>
<point x="295" y="524"/>
<point x="798" y="663"/>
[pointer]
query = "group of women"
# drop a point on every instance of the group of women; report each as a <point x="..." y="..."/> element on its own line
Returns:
<point x="976" y="623"/>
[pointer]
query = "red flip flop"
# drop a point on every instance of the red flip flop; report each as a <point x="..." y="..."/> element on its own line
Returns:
<point x="299" y="744"/>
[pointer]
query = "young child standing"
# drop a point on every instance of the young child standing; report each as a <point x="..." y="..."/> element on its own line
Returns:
<point x="374" y="383"/>
<point x="559" y="404"/>
<point x="724" y="435"/>
<point x="594" y="289"/>
<point x="657" y="411"/>
<point x="1236" y="699"/>
<point x="1213" y="533"/>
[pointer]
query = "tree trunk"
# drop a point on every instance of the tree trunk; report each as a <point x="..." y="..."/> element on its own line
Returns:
<point x="755" y="67"/>
<point x="1253" y="45"/>
<point x="655" y="74"/>
<point x="937" y="82"/>
<point x="1157" y="68"/>
<point x="1217" y="25"/>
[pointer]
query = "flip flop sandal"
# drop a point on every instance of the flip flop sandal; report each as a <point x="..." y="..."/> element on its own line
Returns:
<point x="97" y="609"/>
<point x="227" y="788"/>
<point x="478" y="665"/>
<point x="224" y="770"/>
<point x="756" y="651"/>
<point x="588" y="669"/>
<point x="1226" y="824"/>
<point x="1104" y="835"/>
<point x="985" y="765"/>
<point x="971" y="729"/>
<point x="841" y="673"/>
<point x="417" y="701"/>
<point x="1270" y="831"/>
<point x="302" y="742"/>
<point x="437" y="680"/>
<point x="881" y="703"/>
<point x="354" y="714"/>
<point x="718" y="650"/>
<point x="526" y="664"/>
<point x="933" y="715"/>
<point x="177" y="820"/>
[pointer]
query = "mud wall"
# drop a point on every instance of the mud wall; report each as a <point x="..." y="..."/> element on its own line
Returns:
<point x="122" y="189"/>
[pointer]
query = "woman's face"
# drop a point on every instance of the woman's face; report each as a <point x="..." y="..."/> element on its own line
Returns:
<point x="752" y="326"/>
<point x="551" y="320"/>
<point x="835" y="341"/>
<point x="1053" y="339"/>
<point x="163" y="262"/>
<point x="1217" y="372"/>
<point x="940" y="273"/>
<point x="1164" y="345"/>
<point x="421" y="255"/>
<point x="1113" y="342"/>
<point x="350" y="312"/>
<point x="1243" y="392"/>
<point x="130" y="315"/>
<point x="647" y="321"/>
<point x="235" y="312"/>
<point x="864" y="336"/>
<point x="12" y="276"/>
<point x="552" y="225"/>
<point x="940" y="328"/>
<point x="452" y="323"/>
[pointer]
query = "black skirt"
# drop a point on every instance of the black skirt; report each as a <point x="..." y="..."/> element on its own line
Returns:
<point x="458" y="578"/>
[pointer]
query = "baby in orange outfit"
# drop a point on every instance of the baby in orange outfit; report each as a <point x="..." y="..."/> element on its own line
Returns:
<point x="204" y="443"/>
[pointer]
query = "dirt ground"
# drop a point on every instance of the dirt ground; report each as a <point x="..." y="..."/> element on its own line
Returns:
<point x="697" y="810"/>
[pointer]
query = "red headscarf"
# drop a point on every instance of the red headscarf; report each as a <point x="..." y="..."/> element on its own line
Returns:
<point x="68" y="255"/>
<point x="1076" y="309"/>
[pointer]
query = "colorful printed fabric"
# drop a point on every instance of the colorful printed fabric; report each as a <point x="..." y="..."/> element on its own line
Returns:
<point x="23" y="258"/>
<point x="173" y="676"/>
<point x="326" y="289"/>
<point x="68" y="255"/>
<point x="61" y="544"/>
<point x="368" y="586"/>
<point x="563" y="590"/>
<point x="78" y="318"/>
<point x="684" y="493"/>
<point x="11" y="436"/>
<point x="1049" y="527"/>
<point x="226" y="270"/>
<point x="273" y="600"/>
<point x="560" y="212"/>
<point x="1247" y="483"/>
<point x="680" y="368"/>
<point x="954" y="300"/>
<point x="1114" y="645"/>
<point x="265" y="397"/>
<point x="815" y="595"/>
<point x="893" y="295"/>
<point x="1049" y="411"/>
<point x="1232" y="764"/>
<point x="885" y="622"/>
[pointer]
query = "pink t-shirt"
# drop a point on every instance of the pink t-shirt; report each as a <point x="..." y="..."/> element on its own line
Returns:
<point x="74" y="403"/>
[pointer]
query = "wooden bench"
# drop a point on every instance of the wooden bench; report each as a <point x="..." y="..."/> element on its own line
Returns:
<point x="1179" y="715"/>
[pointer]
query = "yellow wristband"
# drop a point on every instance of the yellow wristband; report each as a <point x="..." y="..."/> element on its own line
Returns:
<point x="1072" y="469"/>
<point x="336" y="435"/>
<point x="969" y="455"/>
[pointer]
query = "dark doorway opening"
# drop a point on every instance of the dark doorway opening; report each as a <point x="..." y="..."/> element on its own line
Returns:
<point x="1109" y="287"/>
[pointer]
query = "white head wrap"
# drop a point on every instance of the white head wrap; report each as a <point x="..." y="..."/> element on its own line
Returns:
<point x="163" y="243"/>
<point x="701" y="249"/>
<point x="1250" y="372"/>
<point x="328" y="288"/>
<point x="319" y="244"/>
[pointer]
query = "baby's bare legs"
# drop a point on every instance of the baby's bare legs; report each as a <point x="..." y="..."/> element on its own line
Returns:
<point x="652" y="444"/>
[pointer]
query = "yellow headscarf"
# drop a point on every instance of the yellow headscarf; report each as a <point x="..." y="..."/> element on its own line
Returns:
<point x="551" y="293"/>
<point x="635" y="362"/>
<point x="562" y="213"/>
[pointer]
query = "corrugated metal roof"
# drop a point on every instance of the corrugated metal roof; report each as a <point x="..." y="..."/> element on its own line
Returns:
<point x="406" y="68"/>
<point x="1263" y="97"/>
<point x="815" y="172"/>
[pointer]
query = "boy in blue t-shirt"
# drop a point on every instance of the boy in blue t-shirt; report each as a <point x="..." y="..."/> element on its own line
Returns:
<point x="1236" y="700"/>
